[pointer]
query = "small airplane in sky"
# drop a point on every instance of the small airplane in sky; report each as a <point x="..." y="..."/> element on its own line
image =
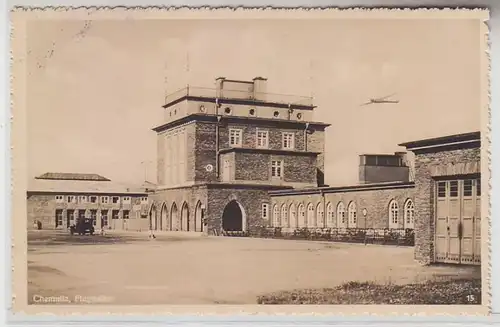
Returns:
<point x="381" y="100"/>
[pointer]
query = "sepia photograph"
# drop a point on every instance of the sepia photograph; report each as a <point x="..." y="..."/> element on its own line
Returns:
<point x="242" y="158"/>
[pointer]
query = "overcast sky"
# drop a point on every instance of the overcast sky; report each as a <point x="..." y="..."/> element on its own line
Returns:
<point x="95" y="92"/>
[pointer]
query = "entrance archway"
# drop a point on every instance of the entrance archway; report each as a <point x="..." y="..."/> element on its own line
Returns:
<point x="174" y="217"/>
<point x="185" y="217"/>
<point x="233" y="217"/>
<point x="198" y="218"/>
<point x="164" y="223"/>
<point x="153" y="218"/>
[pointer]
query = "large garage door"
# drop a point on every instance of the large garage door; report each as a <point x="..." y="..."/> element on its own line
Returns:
<point x="458" y="221"/>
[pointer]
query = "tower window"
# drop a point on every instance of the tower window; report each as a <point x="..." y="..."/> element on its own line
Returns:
<point x="235" y="136"/>
<point x="277" y="168"/>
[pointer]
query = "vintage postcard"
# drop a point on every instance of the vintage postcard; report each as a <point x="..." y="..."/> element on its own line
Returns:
<point x="250" y="161"/>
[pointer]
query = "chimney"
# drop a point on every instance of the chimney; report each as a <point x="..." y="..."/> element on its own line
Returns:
<point x="219" y="85"/>
<point x="259" y="88"/>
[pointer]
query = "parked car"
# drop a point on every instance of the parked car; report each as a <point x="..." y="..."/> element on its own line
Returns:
<point x="82" y="227"/>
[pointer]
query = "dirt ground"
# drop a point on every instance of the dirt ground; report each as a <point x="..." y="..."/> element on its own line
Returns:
<point x="181" y="268"/>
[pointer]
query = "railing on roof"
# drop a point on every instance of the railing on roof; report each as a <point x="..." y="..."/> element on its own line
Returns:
<point x="239" y="94"/>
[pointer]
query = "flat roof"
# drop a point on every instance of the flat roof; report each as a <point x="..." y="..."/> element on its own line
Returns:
<point x="455" y="138"/>
<point x="214" y="119"/>
<point x="81" y="186"/>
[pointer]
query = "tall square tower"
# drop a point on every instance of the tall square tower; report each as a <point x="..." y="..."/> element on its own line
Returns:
<point x="238" y="138"/>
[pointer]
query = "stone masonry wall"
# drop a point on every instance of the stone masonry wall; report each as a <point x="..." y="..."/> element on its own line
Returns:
<point x="250" y="199"/>
<point x="426" y="166"/>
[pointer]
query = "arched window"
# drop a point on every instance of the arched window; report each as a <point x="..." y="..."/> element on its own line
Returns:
<point x="320" y="215"/>
<point x="353" y="215"/>
<point x="302" y="216"/>
<point x="310" y="215"/>
<point x="409" y="214"/>
<point x="330" y="215"/>
<point x="276" y="216"/>
<point x="341" y="221"/>
<point x="284" y="215"/>
<point x="393" y="214"/>
<point x="293" y="216"/>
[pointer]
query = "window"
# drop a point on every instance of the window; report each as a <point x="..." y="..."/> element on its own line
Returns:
<point x="262" y="139"/>
<point x="126" y="214"/>
<point x="127" y="200"/>
<point x="93" y="199"/>
<point x="288" y="140"/>
<point x="393" y="214"/>
<point x="302" y="216"/>
<point x="284" y="216"/>
<point x="70" y="214"/>
<point x="59" y="198"/>
<point x="144" y="200"/>
<point x="341" y="215"/>
<point x="276" y="216"/>
<point x="277" y="168"/>
<point x="409" y="214"/>
<point x="93" y="216"/>
<point x="453" y="189"/>
<point x="235" y="136"/>
<point x="310" y="215"/>
<point x="82" y="199"/>
<point x="115" y="199"/>
<point x="293" y="217"/>
<point x="104" y="199"/>
<point x="330" y="216"/>
<point x="320" y="215"/>
<point x="468" y="187"/>
<point x="353" y="218"/>
<point x="59" y="217"/>
<point x="104" y="218"/>
<point x="478" y="187"/>
<point x="71" y="199"/>
<point x="115" y="214"/>
<point x="265" y="211"/>
<point x="441" y="189"/>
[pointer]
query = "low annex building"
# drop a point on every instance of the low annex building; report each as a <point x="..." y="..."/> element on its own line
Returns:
<point x="58" y="200"/>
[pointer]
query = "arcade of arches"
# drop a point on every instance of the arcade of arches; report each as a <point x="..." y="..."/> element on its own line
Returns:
<point x="171" y="218"/>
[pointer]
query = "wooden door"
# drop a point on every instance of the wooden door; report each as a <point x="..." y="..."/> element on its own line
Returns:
<point x="457" y="232"/>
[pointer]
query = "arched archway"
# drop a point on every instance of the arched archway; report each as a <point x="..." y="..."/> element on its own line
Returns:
<point x="152" y="217"/>
<point x="198" y="217"/>
<point x="174" y="217"/>
<point x="164" y="223"/>
<point x="234" y="217"/>
<point x="185" y="217"/>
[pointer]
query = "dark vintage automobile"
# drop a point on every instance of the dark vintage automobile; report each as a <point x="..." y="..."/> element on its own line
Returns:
<point x="82" y="227"/>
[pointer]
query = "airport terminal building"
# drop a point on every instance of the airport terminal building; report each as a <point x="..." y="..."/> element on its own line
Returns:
<point x="236" y="158"/>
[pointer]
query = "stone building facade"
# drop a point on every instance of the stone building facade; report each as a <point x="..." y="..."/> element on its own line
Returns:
<point x="448" y="198"/>
<point x="59" y="200"/>
<point x="221" y="151"/>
